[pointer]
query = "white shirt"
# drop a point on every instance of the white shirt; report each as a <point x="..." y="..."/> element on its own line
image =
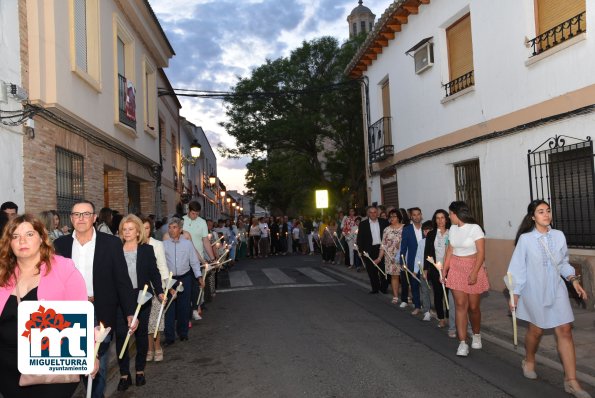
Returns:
<point x="83" y="255"/>
<point x="417" y="232"/>
<point x="375" y="229"/>
<point x="462" y="239"/>
<point x="264" y="230"/>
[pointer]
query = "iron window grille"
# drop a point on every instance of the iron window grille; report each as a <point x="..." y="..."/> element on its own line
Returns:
<point x="564" y="176"/>
<point x="459" y="84"/>
<point x="468" y="187"/>
<point x="559" y="34"/>
<point x="70" y="183"/>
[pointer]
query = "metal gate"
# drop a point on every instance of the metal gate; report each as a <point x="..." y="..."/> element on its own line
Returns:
<point x="564" y="176"/>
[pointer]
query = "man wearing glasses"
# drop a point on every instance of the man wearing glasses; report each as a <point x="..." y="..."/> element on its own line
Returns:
<point x="100" y="259"/>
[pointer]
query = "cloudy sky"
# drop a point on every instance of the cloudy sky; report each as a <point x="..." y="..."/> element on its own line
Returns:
<point x="217" y="40"/>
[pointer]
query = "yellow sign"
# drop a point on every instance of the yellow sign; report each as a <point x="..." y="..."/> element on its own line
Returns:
<point x="321" y="199"/>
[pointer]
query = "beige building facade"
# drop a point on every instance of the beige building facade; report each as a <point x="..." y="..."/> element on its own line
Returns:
<point x="91" y="68"/>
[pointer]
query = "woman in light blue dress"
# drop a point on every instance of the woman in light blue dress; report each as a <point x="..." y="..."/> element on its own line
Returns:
<point x="540" y="295"/>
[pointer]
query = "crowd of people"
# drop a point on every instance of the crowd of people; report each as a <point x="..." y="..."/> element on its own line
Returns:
<point x="108" y="259"/>
<point x="436" y="268"/>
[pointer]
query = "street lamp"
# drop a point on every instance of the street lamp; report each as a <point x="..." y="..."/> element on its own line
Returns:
<point x="222" y="193"/>
<point x="228" y="199"/>
<point x="195" y="150"/>
<point x="212" y="180"/>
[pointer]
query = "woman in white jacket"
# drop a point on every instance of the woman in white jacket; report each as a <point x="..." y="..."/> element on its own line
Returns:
<point x="155" y="351"/>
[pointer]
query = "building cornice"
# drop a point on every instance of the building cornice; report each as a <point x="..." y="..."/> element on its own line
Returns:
<point x="384" y="31"/>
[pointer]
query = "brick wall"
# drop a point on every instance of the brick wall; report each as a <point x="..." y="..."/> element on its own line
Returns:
<point x="118" y="190"/>
<point x="147" y="197"/>
<point x="39" y="162"/>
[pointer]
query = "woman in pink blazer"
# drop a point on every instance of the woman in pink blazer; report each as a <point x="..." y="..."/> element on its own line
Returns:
<point x="29" y="268"/>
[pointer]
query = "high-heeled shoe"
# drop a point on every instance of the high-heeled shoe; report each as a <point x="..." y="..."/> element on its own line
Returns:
<point x="578" y="393"/>
<point x="529" y="374"/>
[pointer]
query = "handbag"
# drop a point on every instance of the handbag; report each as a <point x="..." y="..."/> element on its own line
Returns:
<point x="30" y="380"/>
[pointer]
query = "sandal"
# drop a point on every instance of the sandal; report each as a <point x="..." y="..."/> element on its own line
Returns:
<point x="395" y="300"/>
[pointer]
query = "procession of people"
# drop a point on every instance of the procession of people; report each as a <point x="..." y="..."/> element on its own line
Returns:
<point x="436" y="268"/>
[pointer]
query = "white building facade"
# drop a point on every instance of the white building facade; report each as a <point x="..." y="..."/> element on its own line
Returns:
<point x="11" y="137"/>
<point x="487" y="102"/>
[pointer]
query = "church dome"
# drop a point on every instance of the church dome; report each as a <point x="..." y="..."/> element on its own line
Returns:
<point x="361" y="9"/>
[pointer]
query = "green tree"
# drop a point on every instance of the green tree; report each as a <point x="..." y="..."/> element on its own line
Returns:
<point x="299" y="119"/>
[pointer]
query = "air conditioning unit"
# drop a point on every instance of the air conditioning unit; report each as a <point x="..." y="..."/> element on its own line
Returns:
<point x="424" y="57"/>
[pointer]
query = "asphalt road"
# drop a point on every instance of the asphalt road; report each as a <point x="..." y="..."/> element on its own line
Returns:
<point x="286" y="327"/>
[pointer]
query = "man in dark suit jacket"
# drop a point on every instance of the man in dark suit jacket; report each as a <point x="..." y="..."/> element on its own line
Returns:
<point x="100" y="259"/>
<point x="369" y="237"/>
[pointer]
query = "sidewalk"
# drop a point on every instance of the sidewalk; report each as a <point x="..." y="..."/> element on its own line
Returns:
<point x="496" y="328"/>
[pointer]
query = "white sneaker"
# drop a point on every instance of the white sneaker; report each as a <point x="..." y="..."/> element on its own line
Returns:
<point x="195" y="316"/>
<point x="476" y="342"/>
<point x="403" y="304"/>
<point x="463" y="349"/>
<point x="427" y="316"/>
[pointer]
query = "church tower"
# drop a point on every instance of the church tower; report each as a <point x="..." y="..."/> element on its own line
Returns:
<point x="361" y="20"/>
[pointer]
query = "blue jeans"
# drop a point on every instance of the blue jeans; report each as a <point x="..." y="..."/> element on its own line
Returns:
<point x="414" y="289"/>
<point x="425" y="293"/>
<point x="179" y="310"/>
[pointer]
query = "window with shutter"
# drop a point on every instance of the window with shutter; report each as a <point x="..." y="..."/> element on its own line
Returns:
<point x="84" y="36"/>
<point x="390" y="194"/>
<point x="556" y="21"/>
<point x="460" y="48"/>
<point x="80" y="33"/>
<point x="551" y="13"/>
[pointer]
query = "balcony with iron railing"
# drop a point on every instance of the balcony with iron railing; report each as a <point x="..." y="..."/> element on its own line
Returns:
<point x="459" y="84"/>
<point x="125" y="115"/>
<point x="559" y="34"/>
<point x="379" y="133"/>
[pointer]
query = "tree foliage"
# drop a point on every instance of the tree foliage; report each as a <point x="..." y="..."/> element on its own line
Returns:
<point x="299" y="119"/>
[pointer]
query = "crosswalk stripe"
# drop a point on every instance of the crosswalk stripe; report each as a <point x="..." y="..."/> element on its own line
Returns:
<point x="316" y="275"/>
<point x="239" y="278"/>
<point x="277" y="276"/>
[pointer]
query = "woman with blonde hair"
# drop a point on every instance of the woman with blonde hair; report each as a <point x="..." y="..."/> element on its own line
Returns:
<point x="142" y="270"/>
<point x="30" y="270"/>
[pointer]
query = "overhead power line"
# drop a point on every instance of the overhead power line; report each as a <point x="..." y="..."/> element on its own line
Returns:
<point x="184" y="92"/>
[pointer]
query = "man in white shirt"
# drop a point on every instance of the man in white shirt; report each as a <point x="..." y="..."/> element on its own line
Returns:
<point x="264" y="242"/>
<point x="369" y="238"/>
<point x="100" y="259"/>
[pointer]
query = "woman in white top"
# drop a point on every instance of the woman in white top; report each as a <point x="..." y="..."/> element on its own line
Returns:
<point x="155" y="351"/>
<point x="467" y="277"/>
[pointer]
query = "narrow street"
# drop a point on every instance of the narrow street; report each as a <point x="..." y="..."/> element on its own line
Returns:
<point x="291" y="327"/>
